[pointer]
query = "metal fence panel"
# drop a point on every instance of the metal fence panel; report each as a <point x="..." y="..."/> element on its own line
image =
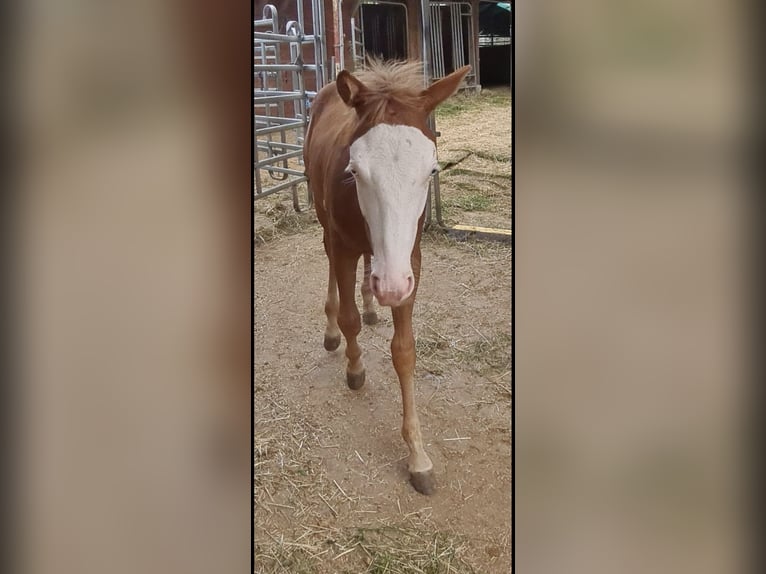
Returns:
<point x="281" y="98"/>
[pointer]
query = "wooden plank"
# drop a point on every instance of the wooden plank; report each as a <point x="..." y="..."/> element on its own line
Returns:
<point x="489" y="230"/>
<point x="464" y="232"/>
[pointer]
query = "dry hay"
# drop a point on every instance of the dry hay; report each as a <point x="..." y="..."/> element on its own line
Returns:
<point x="293" y="495"/>
<point x="475" y="155"/>
<point x="275" y="216"/>
<point x="477" y="122"/>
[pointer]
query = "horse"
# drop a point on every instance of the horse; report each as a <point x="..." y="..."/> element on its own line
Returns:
<point x="369" y="156"/>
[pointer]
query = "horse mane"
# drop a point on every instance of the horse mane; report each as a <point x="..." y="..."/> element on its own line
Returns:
<point x="388" y="82"/>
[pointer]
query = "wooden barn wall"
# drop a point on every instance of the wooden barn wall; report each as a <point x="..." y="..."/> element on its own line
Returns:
<point x="414" y="24"/>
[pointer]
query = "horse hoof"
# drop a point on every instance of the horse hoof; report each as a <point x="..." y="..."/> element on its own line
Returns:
<point x="355" y="381"/>
<point x="423" y="482"/>
<point x="331" y="343"/>
<point x="370" y="317"/>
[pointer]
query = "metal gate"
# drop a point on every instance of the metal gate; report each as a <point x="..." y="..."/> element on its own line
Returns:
<point x="289" y="68"/>
<point x="357" y="40"/>
<point x="451" y="39"/>
<point x="456" y="16"/>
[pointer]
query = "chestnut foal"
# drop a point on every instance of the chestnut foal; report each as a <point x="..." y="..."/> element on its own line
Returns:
<point x="369" y="157"/>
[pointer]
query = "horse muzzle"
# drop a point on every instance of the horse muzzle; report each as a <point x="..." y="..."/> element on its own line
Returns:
<point x="392" y="290"/>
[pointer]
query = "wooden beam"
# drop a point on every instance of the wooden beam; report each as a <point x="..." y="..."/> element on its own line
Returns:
<point x="463" y="232"/>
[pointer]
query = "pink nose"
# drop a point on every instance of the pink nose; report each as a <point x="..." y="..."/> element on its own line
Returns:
<point x="390" y="292"/>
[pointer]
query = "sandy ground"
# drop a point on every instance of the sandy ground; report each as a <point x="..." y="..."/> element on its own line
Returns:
<point x="328" y="457"/>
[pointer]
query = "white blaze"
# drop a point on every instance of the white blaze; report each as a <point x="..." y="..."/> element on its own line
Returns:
<point x="392" y="166"/>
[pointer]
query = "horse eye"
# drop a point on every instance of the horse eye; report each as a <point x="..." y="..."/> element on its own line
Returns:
<point x="434" y="171"/>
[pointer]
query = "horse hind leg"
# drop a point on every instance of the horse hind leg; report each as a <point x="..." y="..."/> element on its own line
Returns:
<point x="349" y="320"/>
<point x="369" y="316"/>
<point x="332" y="331"/>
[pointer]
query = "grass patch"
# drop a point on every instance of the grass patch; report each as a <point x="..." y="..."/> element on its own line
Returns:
<point x="471" y="202"/>
<point x="465" y="186"/>
<point x="375" y="550"/>
<point x="427" y="351"/>
<point x="489" y="355"/>
<point x="452" y="108"/>
<point x="482" y="249"/>
<point x="279" y="219"/>
<point x="282" y="558"/>
<point x="486" y="155"/>
<point x="496" y="97"/>
<point x="408" y="550"/>
<point x="472" y="172"/>
<point x="471" y="102"/>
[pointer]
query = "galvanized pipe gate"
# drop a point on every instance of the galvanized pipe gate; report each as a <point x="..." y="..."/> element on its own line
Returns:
<point x="281" y="105"/>
<point x="459" y="31"/>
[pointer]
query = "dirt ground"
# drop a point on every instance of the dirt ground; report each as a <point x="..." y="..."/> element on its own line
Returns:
<point x="331" y="485"/>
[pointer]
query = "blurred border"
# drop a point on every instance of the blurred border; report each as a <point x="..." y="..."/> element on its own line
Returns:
<point x="136" y="97"/>
<point x="641" y="135"/>
<point x="8" y="318"/>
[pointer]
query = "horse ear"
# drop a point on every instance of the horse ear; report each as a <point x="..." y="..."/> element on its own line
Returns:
<point x="349" y="88"/>
<point x="444" y="88"/>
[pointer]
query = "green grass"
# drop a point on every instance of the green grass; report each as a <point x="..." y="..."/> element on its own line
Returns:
<point x="468" y="102"/>
<point x="453" y="107"/>
<point x="435" y="236"/>
<point x="487" y="156"/>
<point x="471" y="202"/>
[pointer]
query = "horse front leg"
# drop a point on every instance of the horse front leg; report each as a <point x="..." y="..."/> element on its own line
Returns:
<point x="348" y="316"/>
<point x="332" y="332"/>
<point x="369" y="316"/>
<point x="403" y="354"/>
